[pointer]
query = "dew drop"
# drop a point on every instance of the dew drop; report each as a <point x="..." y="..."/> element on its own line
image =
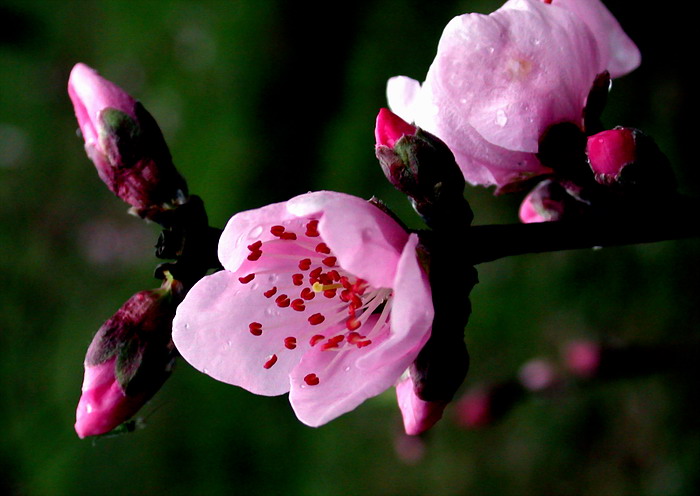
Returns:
<point x="347" y="369"/>
<point x="501" y="118"/>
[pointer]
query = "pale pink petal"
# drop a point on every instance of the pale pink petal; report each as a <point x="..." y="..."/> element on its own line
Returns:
<point x="418" y="415"/>
<point x="512" y="74"/>
<point x="411" y="311"/>
<point x="619" y="54"/>
<point x="248" y="227"/>
<point x="341" y="385"/>
<point x="366" y="240"/>
<point x="212" y="332"/>
<point x="402" y="93"/>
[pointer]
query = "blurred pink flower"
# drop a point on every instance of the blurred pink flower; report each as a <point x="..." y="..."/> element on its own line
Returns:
<point x="499" y="81"/>
<point x="322" y="296"/>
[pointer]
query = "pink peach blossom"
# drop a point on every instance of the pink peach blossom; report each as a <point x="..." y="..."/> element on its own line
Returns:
<point x="321" y="296"/>
<point x="499" y="81"/>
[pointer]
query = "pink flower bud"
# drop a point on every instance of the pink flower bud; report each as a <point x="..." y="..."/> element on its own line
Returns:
<point x="103" y="405"/>
<point x="418" y="415"/>
<point x="125" y="144"/>
<point x="611" y="151"/>
<point x="390" y="128"/>
<point x="127" y="362"/>
<point x="548" y="201"/>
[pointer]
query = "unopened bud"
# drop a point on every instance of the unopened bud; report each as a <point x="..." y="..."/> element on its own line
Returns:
<point x="421" y="166"/>
<point x="549" y="201"/>
<point x="609" y="152"/>
<point x="629" y="160"/>
<point x="127" y="362"/>
<point x="125" y="144"/>
<point x="418" y="415"/>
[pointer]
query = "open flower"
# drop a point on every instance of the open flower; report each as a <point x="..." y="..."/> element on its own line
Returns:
<point x="322" y="296"/>
<point x="499" y="81"/>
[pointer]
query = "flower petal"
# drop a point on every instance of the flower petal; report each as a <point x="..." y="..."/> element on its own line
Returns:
<point x="502" y="71"/>
<point x="366" y="241"/>
<point x="341" y="385"/>
<point x="411" y="312"/>
<point x="212" y="332"/>
<point x="402" y="93"/>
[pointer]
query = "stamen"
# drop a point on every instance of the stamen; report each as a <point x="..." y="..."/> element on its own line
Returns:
<point x="277" y="230"/>
<point x="311" y="379"/>
<point x="270" y="361"/>
<point x="316" y="338"/>
<point x="248" y="278"/>
<point x="305" y="264"/>
<point x="255" y="255"/>
<point x="323" y="248"/>
<point x="316" y="319"/>
<point x="298" y="279"/>
<point x="255" y="328"/>
<point x="312" y="229"/>
<point x="270" y="292"/>
<point x="298" y="305"/>
<point x="329" y="261"/>
<point x="290" y="343"/>
<point x="288" y="236"/>
<point x="307" y="294"/>
<point x="282" y="301"/>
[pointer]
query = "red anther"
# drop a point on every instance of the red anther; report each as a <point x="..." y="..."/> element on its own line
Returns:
<point x="355" y="301"/>
<point x="316" y="338"/>
<point x="305" y="264"/>
<point x="332" y="343"/>
<point x="255" y="328"/>
<point x="352" y="324"/>
<point x="282" y="301"/>
<point x="270" y="292"/>
<point x="290" y="343"/>
<point x="354" y="337"/>
<point x="311" y="379"/>
<point x="255" y="246"/>
<point x="277" y="230"/>
<point x="333" y="274"/>
<point x="322" y="248"/>
<point x="312" y="229"/>
<point x="298" y="305"/>
<point x="288" y="235"/>
<point x="345" y="282"/>
<point x="329" y="261"/>
<point x="316" y="319"/>
<point x="362" y="344"/>
<point x="307" y="294"/>
<point x="247" y="279"/>
<point x="325" y="279"/>
<point x="298" y="279"/>
<point x="271" y="361"/>
<point x="255" y="255"/>
<point x="345" y="295"/>
<point x="329" y="293"/>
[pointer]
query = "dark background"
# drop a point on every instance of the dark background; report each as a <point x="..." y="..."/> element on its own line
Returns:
<point x="263" y="100"/>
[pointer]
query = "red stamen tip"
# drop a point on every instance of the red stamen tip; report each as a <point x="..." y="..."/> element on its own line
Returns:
<point x="311" y="379"/>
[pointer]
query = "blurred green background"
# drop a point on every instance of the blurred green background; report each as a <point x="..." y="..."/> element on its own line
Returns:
<point x="263" y="100"/>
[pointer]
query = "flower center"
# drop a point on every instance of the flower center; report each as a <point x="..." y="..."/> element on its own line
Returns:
<point x="329" y="306"/>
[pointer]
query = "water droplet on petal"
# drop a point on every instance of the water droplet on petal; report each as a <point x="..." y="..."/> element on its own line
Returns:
<point x="254" y="233"/>
<point x="501" y="118"/>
